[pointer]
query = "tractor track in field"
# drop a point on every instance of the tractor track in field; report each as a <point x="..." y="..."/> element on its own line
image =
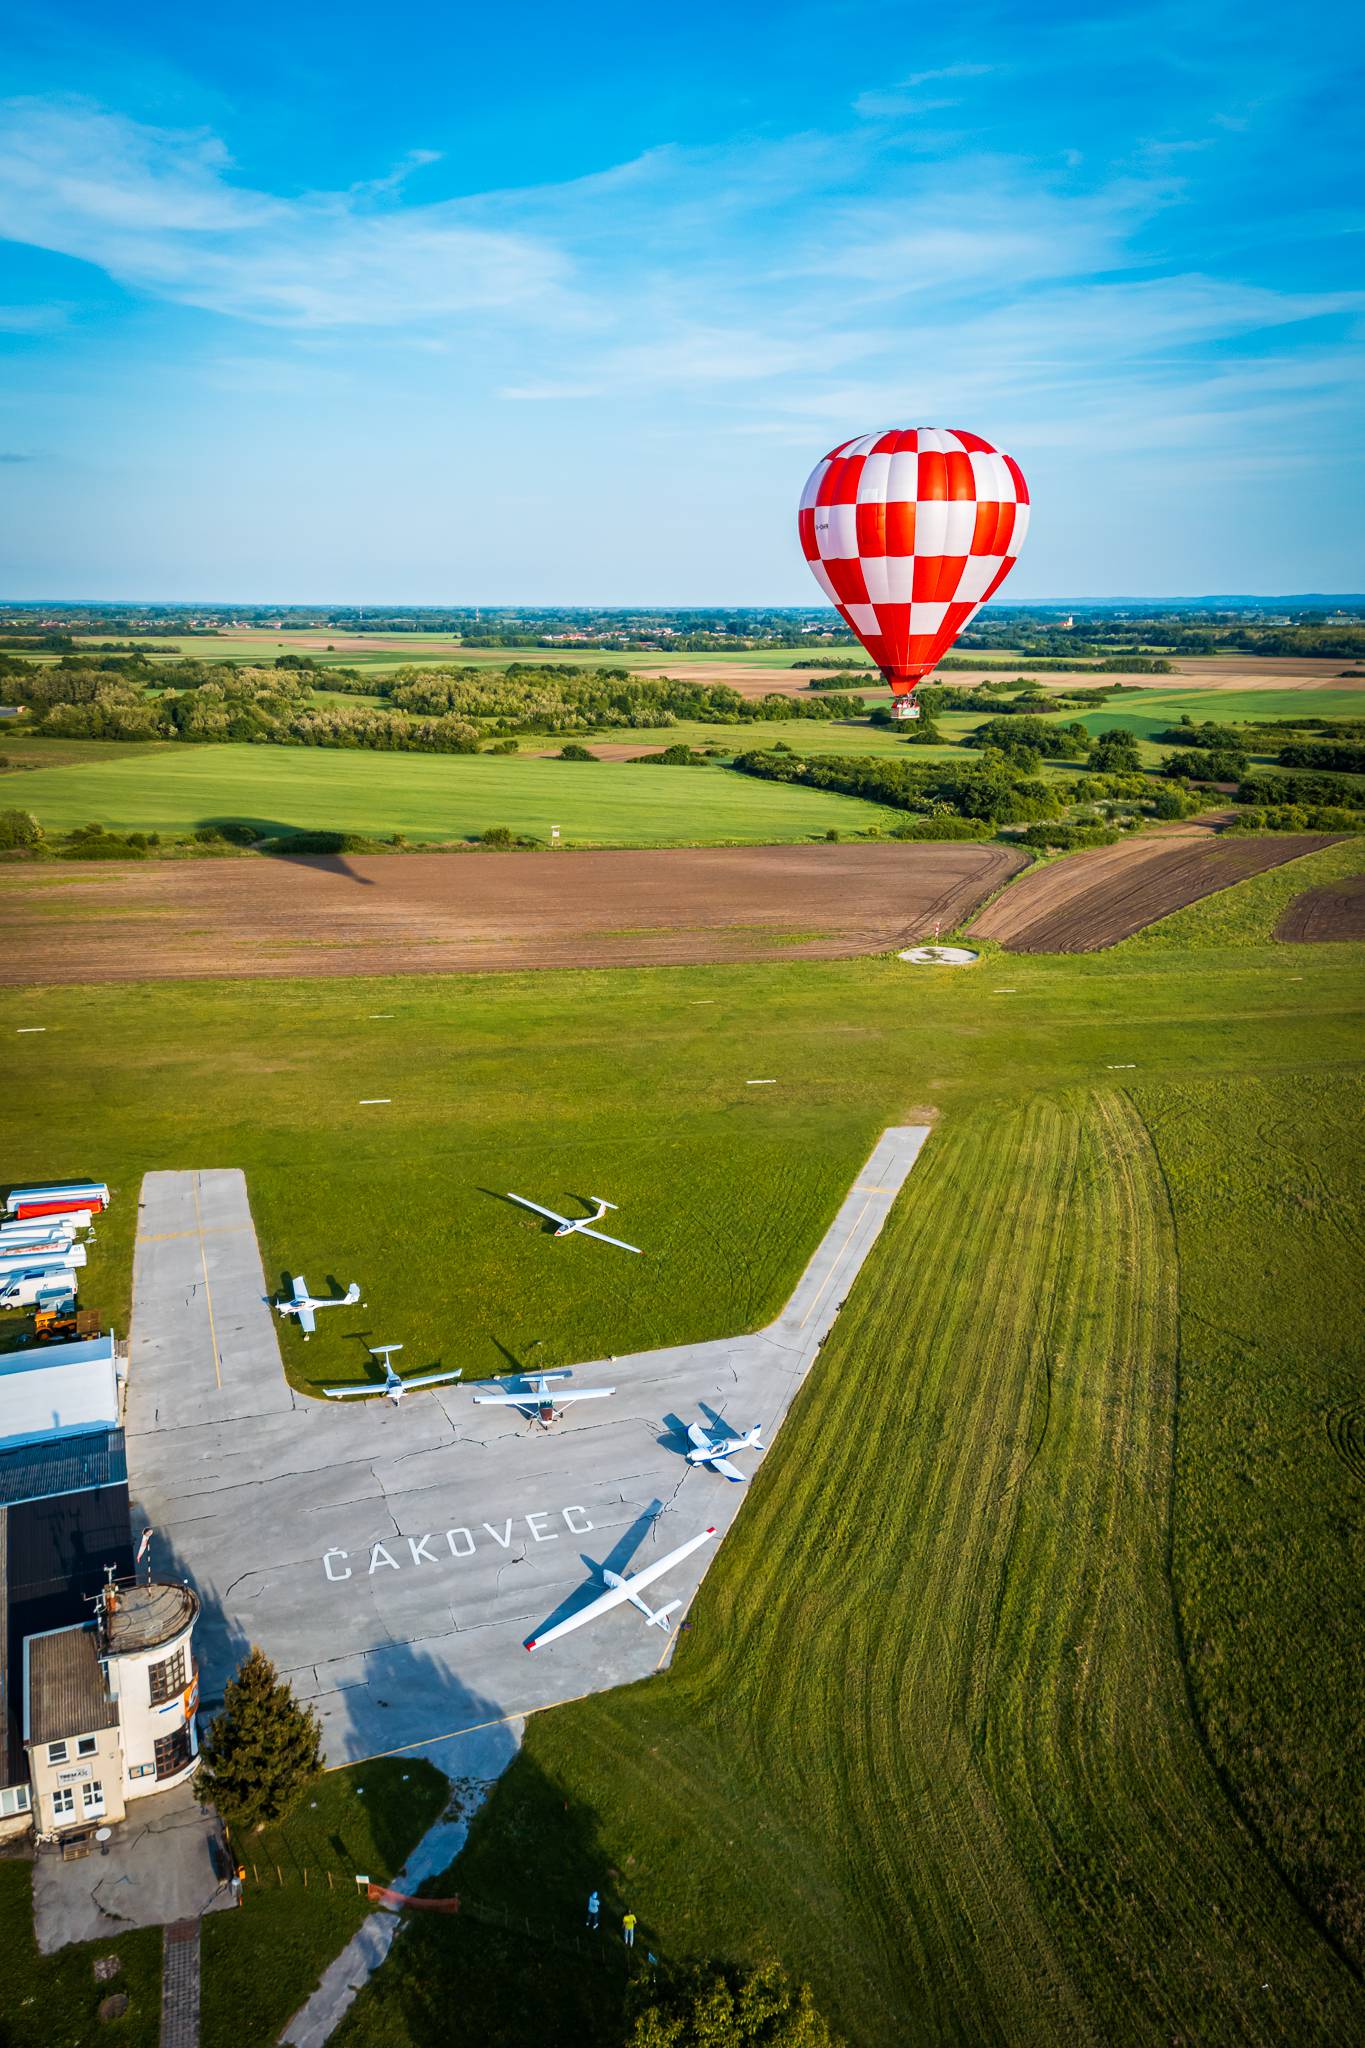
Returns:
<point x="1091" y="900"/>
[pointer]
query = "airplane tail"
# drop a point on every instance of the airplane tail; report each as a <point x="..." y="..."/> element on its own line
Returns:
<point x="658" y="1617"/>
<point x="352" y="1294"/>
<point x="602" y="1207"/>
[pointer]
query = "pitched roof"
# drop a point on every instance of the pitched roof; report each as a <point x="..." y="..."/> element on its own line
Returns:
<point x="66" y="1693"/>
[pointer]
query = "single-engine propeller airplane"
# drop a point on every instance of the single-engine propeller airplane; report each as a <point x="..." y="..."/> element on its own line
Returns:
<point x="578" y="1226"/>
<point x="539" y="1398"/>
<point x="620" y="1590"/>
<point x="715" y="1450"/>
<point x="394" y="1386"/>
<point x="304" y="1305"/>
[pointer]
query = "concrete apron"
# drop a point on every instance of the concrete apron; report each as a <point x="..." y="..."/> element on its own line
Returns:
<point x="392" y="1561"/>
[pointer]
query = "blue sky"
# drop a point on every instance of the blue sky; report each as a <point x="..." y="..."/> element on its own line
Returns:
<point x="548" y="304"/>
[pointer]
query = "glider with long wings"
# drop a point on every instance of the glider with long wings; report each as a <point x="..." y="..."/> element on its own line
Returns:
<point x="305" y="1305"/>
<point x="394" y="1385"/>
<point x="539" y="1396"/>
<point x="630" y="1589"/>
<point x="578" y="1226"/>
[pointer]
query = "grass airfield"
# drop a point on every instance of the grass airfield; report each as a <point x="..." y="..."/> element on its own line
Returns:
<point x="1019" y="1705"/>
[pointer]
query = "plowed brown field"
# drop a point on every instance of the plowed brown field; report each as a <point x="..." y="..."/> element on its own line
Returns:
<point x="479" y="912"/>
<point x="1094" y="899"/>
<point x="1336" y="910"/>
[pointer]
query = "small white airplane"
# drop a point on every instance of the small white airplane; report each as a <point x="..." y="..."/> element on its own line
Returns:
<point x="303" y="1304"/>
<point x="715" y="1450"/>
<point x="620" y="1590"/>
<point x="394" y="1386"/>
<point x="579" y="1226"/>
<point x="540" y="1397"/>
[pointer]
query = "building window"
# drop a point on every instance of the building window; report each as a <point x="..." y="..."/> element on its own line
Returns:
<point x="93" y="1797"/>
<point x="63" y="1802"/>
<point x="173" y="1753"/>
<point x="86" y="1746"/>
<point x="13" y="1799"/>
<point x="56" y="1752"/>
<point x="168" y="1678"/>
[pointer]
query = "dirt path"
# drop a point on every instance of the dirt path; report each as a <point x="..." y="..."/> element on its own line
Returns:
<point x="1094" y="899"/>
<point x="1331" y="912"/>
<point x="478" y="912"/>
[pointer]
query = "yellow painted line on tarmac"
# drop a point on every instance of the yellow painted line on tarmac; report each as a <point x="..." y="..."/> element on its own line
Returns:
<point x="165" y="1236"/>
<point x="208" y="1291"/>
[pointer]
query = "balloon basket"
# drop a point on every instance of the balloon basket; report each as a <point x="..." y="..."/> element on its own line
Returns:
<point x="906" y="708"/>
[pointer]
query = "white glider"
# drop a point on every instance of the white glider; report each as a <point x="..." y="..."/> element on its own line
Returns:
<point x="303" y="1304"/>
<point x="394" y="1387"/>
<point x="715" y="1450"/>
<point x="580" y="1226"/>
<point x="620" y="1590"/>
<point x="539" y="1395"/>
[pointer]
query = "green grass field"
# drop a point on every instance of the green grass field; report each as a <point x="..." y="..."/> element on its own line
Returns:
<point x="262" y="1961"/>
<point x="1020" y="1705"/>
<point x="929" y="1738"/>
<point x="173" y="788"/>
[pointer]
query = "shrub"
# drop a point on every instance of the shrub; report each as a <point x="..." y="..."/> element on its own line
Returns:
<point x="944" y="828"/>
<point x="574" y="752"/>
<point x="1298" y="818"/>
<point x="1175" y="803"/>
<point x="19" y="828"/>
<point x="680" y="756"/>
<point x="318" y="842"/>
<point x="1066" y="838"/>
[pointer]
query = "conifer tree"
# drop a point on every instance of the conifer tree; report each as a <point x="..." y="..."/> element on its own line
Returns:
<point x="263" y="1749"/>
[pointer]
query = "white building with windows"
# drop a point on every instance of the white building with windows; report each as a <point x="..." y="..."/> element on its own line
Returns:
<point x="109" y="1707"/>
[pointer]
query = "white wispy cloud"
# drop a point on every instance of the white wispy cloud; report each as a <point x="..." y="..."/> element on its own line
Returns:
<point x="159" y="210"/>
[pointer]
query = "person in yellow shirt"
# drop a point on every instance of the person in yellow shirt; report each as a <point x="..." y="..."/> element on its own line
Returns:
<point x="628" y="1930"/>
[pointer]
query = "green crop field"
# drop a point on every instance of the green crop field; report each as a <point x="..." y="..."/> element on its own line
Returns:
<point x="1020" y="1705"/>
<point x="173" y="788"/>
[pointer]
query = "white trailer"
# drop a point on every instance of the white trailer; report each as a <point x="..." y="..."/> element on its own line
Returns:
<point x="46" y="1289"/>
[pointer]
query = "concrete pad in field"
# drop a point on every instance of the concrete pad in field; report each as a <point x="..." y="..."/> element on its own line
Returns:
<point x="392" y="1561"/>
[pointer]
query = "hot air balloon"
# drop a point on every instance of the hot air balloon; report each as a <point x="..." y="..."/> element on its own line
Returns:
<point x="908" y="533"/>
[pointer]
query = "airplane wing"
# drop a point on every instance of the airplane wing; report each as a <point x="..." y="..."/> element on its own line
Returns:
<point x="616" y="1595"/>
<point x="698" y="1435"/>
<point x="526" y="1400"/>
<point x="434" y="1379"/>
<point x="551" y="1213"/>
<point x="723" y="1465"/>
<point x="351" y="1393"/>
<point x="602" y="1238"/>
<point x="307" y="1320"/>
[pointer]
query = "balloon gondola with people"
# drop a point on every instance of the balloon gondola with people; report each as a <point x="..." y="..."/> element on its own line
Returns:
<point x="908" y="533"/>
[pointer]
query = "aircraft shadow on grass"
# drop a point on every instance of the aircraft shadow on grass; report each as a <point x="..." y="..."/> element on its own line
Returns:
<point x="616" y="1560"/>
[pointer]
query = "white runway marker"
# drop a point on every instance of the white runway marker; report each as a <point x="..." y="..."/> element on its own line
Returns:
<point x="760" y="1084"/>
<point x="1125" y="1067"/>
<point x="381" y="1017"/>
<point x="373" y="1101"/>
<point x="24" y="1030"/>
<point x="1004" y="991"/>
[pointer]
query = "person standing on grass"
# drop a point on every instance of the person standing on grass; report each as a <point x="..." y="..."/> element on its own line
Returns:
<point x="628" y="1930"/>
<point x="594" y="1911"/>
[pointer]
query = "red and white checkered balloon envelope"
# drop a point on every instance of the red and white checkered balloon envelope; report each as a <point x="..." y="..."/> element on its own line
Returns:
<point x="908" y="532"/>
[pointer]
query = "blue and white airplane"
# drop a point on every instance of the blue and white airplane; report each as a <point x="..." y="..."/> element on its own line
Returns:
<point x="715" y="1450"/>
